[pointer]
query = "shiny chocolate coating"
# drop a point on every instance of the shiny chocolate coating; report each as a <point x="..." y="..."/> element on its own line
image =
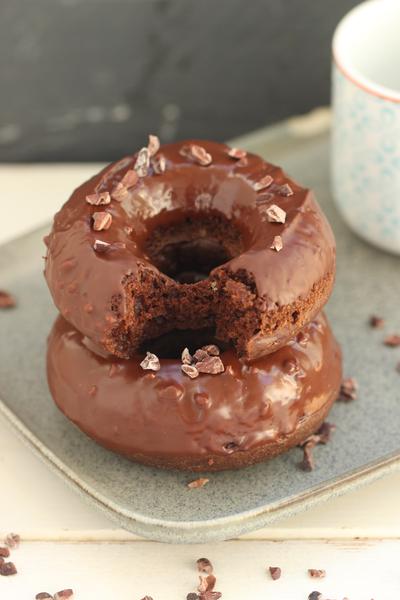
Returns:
<point x="164" y="417"/>
<point x="86" y="283"/>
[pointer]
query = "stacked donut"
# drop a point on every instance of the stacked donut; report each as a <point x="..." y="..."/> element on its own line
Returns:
<point x="190" y="280"/>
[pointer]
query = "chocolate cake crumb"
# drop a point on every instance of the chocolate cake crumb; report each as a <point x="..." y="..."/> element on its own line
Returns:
<point x="211" y="365"/>
<point x="393" y="341"/>
<point x="43" y="596"/>
<point x="376" y="322"/>
<point x="275" y="572"/>
<point x="285" y="190"/>
<point x="348" y="390"/>
<point x="159" y="164"/>
<point x="101" y="220"/>
<point x="275" y="214"/>
<point x="4" y="552"/>
<point x="142" y="162"/>
<point x="277" y="243"/>
<point x="198" y="483"/>
<point x="12" y="540"/>
<point x="190" y="370"/>
<point x="197" y="154"/>
<point x="317" y="573"/>
<point x="153" y="145"/>
<point x="262" y="183"/>
<point x="6" y="300"/>
<point x="186" y="357"/>
<point x="150" y="362"/>
<point x="315" y="596"/>
<point x="192" y="596"/>
<point x="214" y="286"/>
<point x="147" y="598"/>
<point x="98" y="198"/>
<point x="204" y="566"/>
<point x="67" y="594"/>
<point x="7" y="569"/>
<point x="211" y="349"/>
<point x="236" y="153"/>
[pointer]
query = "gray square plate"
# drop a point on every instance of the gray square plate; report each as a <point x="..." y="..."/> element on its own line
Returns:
<point x="157" y="504"/>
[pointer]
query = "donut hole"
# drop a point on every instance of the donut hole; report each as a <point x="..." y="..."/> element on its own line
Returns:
<point x="171" y="344"/>
<point x="189" y="249"/>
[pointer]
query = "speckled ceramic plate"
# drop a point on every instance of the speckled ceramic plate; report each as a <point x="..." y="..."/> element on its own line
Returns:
<point x="157" y="504"/>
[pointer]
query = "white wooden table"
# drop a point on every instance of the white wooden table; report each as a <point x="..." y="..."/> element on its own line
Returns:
<point x="67" y="543"/>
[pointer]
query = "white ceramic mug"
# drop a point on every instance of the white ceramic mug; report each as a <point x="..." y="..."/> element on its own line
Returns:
<point x="366" y="123"/>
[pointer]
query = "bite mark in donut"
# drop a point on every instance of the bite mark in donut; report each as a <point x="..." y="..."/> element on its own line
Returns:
<point x="188" y="245"/>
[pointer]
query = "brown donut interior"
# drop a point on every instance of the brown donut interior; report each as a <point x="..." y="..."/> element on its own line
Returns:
<point x="188" y="250"/>
<point x="187" y="285"/>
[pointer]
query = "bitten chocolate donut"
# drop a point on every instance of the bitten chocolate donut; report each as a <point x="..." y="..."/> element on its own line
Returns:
<point x="162" y="417"/>
<point x="190" y="235"/>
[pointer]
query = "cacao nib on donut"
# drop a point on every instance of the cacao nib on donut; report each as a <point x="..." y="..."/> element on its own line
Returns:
<point x="142" y="162"/>
<point x="186" y="357"/>
<point x="159" y="164"/>
<point x="130" y="179"/>
<point x="211" y="349"/>
<point x="211" y="365"/>
<point x="277" y="243"/>
<point x="285" y="190"/>
<point x="197" y="153"/>
<point x="101" y="220"/>
<point x="200" y="354"/>
<point x="101" y="246"/>
<point x="120" y="192"/>
<point x="150" y="362"/>
<point x="263" y="183"/>
<point x="236" y="153"/>
<point x="98" y="198"/>
<point x="190" y="370"/>
<point x="153" y="145"/>
<point x="275" y="214"/>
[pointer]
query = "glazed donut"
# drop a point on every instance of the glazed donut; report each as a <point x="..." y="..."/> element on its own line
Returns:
<point x="243" y="415"/>
<point x="190" y="235"/>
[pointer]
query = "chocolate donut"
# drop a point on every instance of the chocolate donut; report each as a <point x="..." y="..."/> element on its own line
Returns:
<point x="247" y="413"/>
<point x="190" y="235"/>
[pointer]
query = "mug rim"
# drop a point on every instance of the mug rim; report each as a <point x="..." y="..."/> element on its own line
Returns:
<point x="349" y="71"/>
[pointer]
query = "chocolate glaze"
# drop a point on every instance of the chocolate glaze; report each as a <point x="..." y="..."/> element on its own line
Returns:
<point x="165" y="415"/>
<point x="84" y="284"/>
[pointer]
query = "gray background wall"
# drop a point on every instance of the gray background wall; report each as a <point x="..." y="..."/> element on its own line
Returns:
<point x="88" y="79"/>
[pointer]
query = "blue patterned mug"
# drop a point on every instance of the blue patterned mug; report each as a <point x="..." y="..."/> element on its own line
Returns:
<point x="366" y="121"/>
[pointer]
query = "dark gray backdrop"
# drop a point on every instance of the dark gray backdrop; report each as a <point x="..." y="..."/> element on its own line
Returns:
<point x="88" y="79"/>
